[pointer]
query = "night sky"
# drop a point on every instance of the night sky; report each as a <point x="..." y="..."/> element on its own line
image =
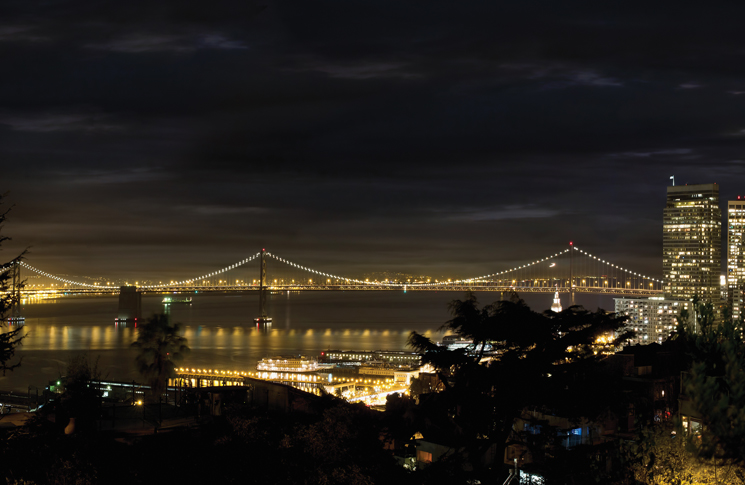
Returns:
<point x="164" y="139"/>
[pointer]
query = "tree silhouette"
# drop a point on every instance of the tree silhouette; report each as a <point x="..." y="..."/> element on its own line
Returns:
<point x="81" y="399"/>
<point x="716" y="387"/>
<point x="546" y="361"/>
<point x="10" y="340"/>
<point x="660" y="456"/>
<point x="160" y="347"/>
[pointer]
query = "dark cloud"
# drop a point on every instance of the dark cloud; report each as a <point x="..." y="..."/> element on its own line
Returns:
<point x="433" y="137"/>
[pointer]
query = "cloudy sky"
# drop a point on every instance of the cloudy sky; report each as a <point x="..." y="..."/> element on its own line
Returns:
<point x="164" y="139"/>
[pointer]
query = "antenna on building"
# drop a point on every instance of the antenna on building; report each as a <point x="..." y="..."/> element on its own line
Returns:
<point x="673" y="179"/>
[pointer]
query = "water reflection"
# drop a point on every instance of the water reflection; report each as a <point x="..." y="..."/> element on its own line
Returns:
<point x="218" y="332"/>
<point x="53" y="336"/>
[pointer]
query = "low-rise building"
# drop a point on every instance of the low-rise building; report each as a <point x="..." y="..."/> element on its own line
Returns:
<point x="650" y="375"/>
<point x="404" y="377"/>
<point x="691" y="419"/>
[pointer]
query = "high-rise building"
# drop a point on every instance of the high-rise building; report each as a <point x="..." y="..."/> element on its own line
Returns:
<point x="692" y="242"/>
<point x="735" y="256"/>
<point x="653" y="319"/>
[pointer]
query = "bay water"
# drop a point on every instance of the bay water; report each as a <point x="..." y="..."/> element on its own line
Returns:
<point x="222" y="334"/>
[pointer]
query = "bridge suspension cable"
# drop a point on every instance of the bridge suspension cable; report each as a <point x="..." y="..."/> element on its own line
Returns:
<point x="616" y="266"/>
<point x="209" y="275"/>
<point x="328" y="275"/>
<point x="522" y="269"/>
<point x="587" y="273"/>
<point x="177" y="283"/>
<point x="516" y="268"/>
<point x="65" y="280"/>
<point x="444" y="283"/>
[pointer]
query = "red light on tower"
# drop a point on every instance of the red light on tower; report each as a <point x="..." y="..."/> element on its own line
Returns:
<point x="571" y="243"/>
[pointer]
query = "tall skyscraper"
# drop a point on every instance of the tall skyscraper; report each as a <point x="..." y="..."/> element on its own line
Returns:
<point x="692" y="242"/>
<point x="735" y="256"/>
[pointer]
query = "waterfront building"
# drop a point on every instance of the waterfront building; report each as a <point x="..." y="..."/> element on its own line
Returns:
<point x="691" y="243"/>
<point x="377" y="370"/>
<point x="287" y="363"/>
<point x="357" y="357"/>
<point x="350" y="357"/>
<point x="399" y="358"/>
<point x="556" y="305"/>
<point x="653" y="319"/>
<point x="735" y="256"/>
<point x="401" y="375"/>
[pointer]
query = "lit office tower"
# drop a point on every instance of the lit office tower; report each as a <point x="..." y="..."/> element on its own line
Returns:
<point x="691" y="243"/>
<point x="735" y="256"/>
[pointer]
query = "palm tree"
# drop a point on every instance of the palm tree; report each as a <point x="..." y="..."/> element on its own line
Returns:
<point x="160" y="347"/>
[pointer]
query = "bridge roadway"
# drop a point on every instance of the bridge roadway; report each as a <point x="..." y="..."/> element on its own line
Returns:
<point x="630" y="292"/>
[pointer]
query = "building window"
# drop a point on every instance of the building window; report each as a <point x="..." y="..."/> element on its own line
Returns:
<point x="423" y="456"/>
<point x="695" y="428"/>
<point x="574" y="438"/>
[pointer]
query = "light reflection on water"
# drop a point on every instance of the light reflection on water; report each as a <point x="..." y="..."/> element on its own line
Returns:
<point x="221" y="332"/>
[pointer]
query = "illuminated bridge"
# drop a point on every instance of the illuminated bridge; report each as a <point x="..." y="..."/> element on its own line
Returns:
<point x="571" y="270"/>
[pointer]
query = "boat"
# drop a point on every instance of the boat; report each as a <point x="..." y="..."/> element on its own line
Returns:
<point x="170" y="300"/>
<point x="453" y="342"/>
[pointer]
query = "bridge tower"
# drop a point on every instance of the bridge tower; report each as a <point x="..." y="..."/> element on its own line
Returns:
<point x="15" y="290"/>
<point x="571" y="271"/>
<point x="130" y="304"/>
<point x="263" y="318"/>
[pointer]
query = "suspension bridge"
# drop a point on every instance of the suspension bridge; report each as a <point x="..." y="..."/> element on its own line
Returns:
<point x="571" y="270"/>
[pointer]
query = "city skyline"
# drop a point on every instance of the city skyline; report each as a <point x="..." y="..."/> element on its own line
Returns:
<point x="440" y="141"/>
<point x="674" y="215"/>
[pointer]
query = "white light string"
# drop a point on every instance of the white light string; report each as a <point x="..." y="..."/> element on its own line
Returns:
<point x="547" y="258"/>
<point x="468" y="280"/>
<point x="328" y="275"/>
<point x="209" y="275"/>
<point x="617" y="267"/>
<point x="64" y="280"/>
<point x="88" y="285"/>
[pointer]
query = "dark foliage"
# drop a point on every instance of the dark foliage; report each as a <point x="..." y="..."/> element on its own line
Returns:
<point x="160" y="347"/>
<point x="9" y="339"/>
<point x="81" y="399"/>
<point x="340" y="444"/>
<point x="546" y="361"/>
<point x="716" y="387"/>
